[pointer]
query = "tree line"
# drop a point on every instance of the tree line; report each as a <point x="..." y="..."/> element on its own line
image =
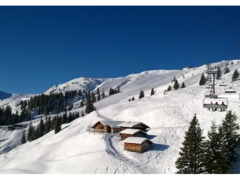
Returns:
<point x="48" y="125"/>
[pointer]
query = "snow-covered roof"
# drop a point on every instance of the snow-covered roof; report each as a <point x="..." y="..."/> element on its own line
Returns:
<point x="111" y="123"/>
<point x="136" y="140"/>
<point x="131" y="131"/>
<point x="131" y="124"/>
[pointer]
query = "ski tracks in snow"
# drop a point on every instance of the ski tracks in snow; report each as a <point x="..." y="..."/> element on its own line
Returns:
<point x="125" y="161"/>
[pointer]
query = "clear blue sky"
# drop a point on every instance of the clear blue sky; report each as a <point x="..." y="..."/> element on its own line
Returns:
<point x="41" y="46"/>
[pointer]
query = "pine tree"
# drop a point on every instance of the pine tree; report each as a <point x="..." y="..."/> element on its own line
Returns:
<point x="169" y="88"/>
<point x="133" y="98"/>
<point x="230" y="129"/>
<point x="98" y="92"/>
<point x="176" y="85"/>
<point x="103" y="94"/>
<point x="47" y="127"/>
<point x="98" y="97"/>
<point x="218" y="73"/>
<point x="203" y="80"/>
<point x="227" y="70"/>
<point x="30" y="132"/>
<point x="174" y="79"/>
<point x="191" y="160"/>
<point x="235" y="75"/>
<point x="89" y="106"/>
<point x="141" y="95"/>
<point x="183" y="85"/>
<point x="57" y="125"/>
<point x="23" y="140"/>
<point x="231" y="62"/>
<point x="93" y="97"/>
<point x="41" y="128"/>
<point x="152" y="92"/>
<point x="214" y="159"/>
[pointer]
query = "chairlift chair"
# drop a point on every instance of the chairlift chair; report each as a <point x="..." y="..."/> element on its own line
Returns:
<point x="230" y="90"/>
<point x="219" y="100"/>
<point x="222" y="84"/>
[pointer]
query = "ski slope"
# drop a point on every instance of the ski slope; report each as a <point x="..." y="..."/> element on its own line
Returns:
<point x="75" y="151"/>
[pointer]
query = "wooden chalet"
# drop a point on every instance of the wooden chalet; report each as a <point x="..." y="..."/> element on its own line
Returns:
<point x="133" y="125"/>
<point x="107" y="126"/>
<point x="132" y="133"/>
<point x="137" y="144"/>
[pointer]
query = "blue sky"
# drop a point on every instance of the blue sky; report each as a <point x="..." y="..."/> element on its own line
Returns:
<point x="41" y="46"/>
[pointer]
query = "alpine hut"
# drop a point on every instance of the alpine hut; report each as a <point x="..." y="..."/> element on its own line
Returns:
<point x="137" y="144"/>
<point x="133" y="125"/>
<point x="107" y="126"/>
<point x="132" y="133"/>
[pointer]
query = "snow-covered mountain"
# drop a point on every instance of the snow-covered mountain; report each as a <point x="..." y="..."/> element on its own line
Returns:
<point x="74" y="150"/>
<point x="76" y="84"/>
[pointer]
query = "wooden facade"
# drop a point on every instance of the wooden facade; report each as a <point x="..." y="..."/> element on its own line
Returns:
<point x="137" y="134"/>
<point x="140" y="148"/>
<point x="99" y="127"/>
<point x="106" y="127"/>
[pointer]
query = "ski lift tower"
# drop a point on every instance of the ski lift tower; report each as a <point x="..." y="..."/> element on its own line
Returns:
<point x="211" y="76"/>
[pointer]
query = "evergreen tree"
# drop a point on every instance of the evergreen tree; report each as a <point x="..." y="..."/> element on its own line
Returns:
<point x="41" y="128"/>
<point x="133" y="98"/>
<point x="82" y="114"/>
<point x="103" y="94"/>
<point x="227" y="70"/>
<point x="152" y="92"/>
<point x="218" y="73"/>
<point x="203" y="80"/>
<point x="176" y="85"/>
<point x="231" y="62"/>
<point x="141" y="95"/>
<point x="191" y="160"/>
<point x="47" y="127"/>
<point x="230" y="129"/>
<point x="174" y="79"/>
<point x="64" y="118"/>
<point x="89" y="106"/>
<point x="23" y="140"/>
<point x="183" y="85"/>
<point x="30" y="132"/>
<point x="235" y="75"/>
<point x="93" y="97"/>
<point x="169" y="88"/>
<point x="98" y="92"/>
<point x="57" y="125"/>
<point x="98" y="97"/>
<point x="214" y="159"/>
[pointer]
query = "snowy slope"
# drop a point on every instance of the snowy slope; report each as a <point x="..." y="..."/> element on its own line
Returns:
<point x="74" y="150"/>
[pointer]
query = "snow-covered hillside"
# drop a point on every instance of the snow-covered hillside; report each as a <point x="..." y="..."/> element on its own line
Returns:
<point x="74" y="150"/>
